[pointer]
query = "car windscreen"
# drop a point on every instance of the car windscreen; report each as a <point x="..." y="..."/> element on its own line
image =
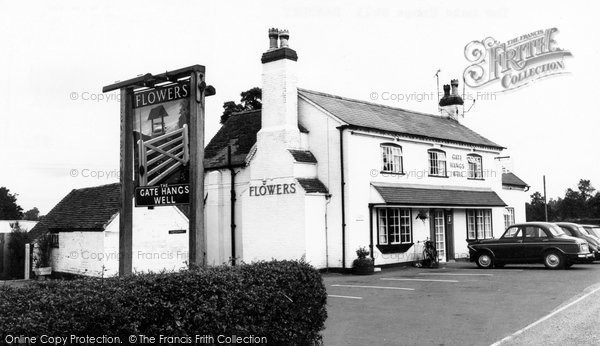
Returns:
<point x="512" y="232"/>
<point x="582" y="230"/>
<point x="556" y="231"/>
<point x="565" y="230"/>
<point x="593" y="230"/>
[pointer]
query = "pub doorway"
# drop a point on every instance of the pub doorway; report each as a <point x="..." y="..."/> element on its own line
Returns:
<point x="442" y="233"/>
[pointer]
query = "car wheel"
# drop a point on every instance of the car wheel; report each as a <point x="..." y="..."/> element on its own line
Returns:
<point x="484" y="260"/>
<point x="554" y="260"/>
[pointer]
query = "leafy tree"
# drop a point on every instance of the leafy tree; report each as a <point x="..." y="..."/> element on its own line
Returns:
<point x="534" y="210"/>
<point x="572" y="206"/>
<point x="251" y="99"/>
<point x="593" y="205"/>
<point x="575" y="205"/>
<point x="32" y="214"/>
<point x="585" y="189"/>
<point x="9" y="209"/>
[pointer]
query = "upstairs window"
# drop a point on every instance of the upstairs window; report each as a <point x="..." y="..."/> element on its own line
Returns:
<point x="475" y="167"/>
<point x="391" y="158"/>
<point x="437" y="163"/>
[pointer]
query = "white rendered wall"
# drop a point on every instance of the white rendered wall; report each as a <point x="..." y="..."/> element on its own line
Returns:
<point x="274" y="225"/>
<point x="81" y="253"/>
<point x="218" y="214"/>
<point x="362" y="161"/>
<point x="516" y="199"/>
<point x="325" y="146"/>
<point x="154" y="249"/>
<point x="315" y="230"/>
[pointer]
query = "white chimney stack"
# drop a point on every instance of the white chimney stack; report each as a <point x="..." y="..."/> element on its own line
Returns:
<point x="279" y="91"/>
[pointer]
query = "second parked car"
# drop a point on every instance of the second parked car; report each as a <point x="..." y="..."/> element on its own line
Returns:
<point x="592" y="229"/>
<point x="531" y="242"/>
<point x="578" y="231"/>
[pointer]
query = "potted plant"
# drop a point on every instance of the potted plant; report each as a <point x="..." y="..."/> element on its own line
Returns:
<point x="42" y="260"/>
<point x="363" y="265"/>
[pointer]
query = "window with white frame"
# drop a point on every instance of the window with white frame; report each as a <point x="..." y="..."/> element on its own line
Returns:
<point x="437" y="163"/>
<point x="391" y="158"/>
<point x="475" y="167"/>
<point x="394" y="226"/>
<point x="479" y="224"/>
<point x="509" y="217"/>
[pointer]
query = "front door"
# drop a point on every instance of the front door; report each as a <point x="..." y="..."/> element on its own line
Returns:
<point x="449" y="234"/>
<point x="439" y="229"/>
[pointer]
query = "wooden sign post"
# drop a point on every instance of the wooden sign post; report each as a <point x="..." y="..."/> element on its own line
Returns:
<point x="126" y="179"/>
<point x="197" y="249"/>
<point x="166" y="182"/>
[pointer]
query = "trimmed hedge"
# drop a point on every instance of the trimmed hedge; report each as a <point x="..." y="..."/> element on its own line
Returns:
<point x="283" y="301"/>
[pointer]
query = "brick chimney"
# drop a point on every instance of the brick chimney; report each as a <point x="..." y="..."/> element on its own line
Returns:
<point x="279" y="91"/>
<point x="451" y="104"/>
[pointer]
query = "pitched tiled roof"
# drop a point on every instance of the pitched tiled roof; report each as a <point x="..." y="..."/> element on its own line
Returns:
<point x="312" y="185"/>
<point x="437" y="196"/>
<point x="239" y="131"/>
<point x="512" y="180"/>
<point x="303" y="156"/>
<point x="396" y="120"/>
<point x="87" y="209"/>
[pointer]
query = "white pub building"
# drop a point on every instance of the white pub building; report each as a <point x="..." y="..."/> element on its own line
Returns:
<point x="314" y="176"/>
<point x="317" y="176"/>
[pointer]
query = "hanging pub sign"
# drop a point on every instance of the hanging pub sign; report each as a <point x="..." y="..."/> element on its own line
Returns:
<point x="162" y="151"/>
<point x="161" y="144"/>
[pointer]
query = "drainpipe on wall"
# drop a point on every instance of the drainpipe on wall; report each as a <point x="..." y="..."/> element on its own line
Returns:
<point x="232" y="174"/>
<point x="371" y="232"/>
<point x="343" y="186"/>
<point x="327" y="200"/>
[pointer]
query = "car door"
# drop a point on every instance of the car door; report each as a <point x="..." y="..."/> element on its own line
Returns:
<point x="509" y="246"/>
<point x="534" y="241"/>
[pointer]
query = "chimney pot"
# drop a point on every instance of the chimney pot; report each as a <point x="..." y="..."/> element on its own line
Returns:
<point x="284" y="36"/>
<point x="446" y="90"/>
<point x="454" y="84"/>
<point x="273" y="34"/>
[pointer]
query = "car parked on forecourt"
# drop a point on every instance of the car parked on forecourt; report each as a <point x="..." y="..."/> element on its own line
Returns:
<point x="592" y="229"/>
<point x="531" y="242"/>
<point x="578" y="231"/>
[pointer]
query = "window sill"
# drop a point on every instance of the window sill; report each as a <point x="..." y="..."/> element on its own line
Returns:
<point x="394" y="248"/>
<point x="392" y="173"/>
<point x="438" y="176"/>
<point x="476" y="179"/>
<point x="474" y="240"/>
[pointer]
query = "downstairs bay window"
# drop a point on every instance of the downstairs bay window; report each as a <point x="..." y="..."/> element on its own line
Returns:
<point x="479" y="224"/>
<point x="394" y="229"/>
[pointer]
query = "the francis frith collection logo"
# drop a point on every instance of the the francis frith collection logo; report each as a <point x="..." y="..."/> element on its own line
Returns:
<point x="516" y="62"/>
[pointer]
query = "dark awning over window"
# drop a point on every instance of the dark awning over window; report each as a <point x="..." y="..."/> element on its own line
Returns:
<point x="438" y="196"/>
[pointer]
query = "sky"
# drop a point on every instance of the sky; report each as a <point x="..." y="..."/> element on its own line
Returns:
<point x="59" y="132"/>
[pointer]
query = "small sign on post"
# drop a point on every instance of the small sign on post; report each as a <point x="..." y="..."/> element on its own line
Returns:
<point x="156" y="196"/>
